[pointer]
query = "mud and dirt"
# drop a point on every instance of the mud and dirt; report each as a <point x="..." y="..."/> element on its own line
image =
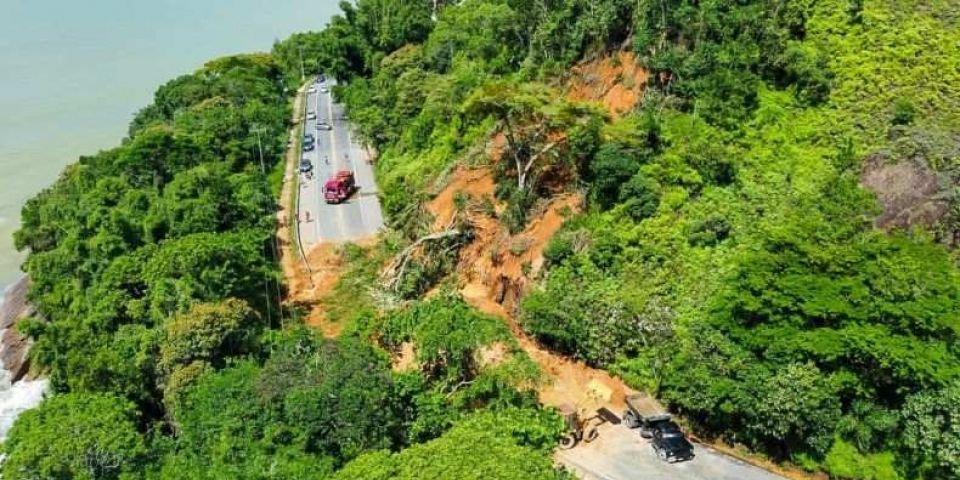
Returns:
<point x="616" y="81"/>
<point x="496" y="269"/>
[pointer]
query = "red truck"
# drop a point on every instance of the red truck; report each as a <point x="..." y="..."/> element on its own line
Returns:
<point x="340" y="187"/>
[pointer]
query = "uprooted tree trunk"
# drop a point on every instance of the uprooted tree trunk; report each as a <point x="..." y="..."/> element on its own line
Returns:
<point x="392" y="275"/>
<point x="525" y="163"/>
<point x="523" y="175"/>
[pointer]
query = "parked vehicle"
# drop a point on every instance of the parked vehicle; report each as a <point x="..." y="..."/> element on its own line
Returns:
<point x="309" y="138"/>
<point x="324" y="126"/>
<point x="306" y="166"/>
<point x="324" y="90"/>
<point x="670" y="443"/>
<point x="666" y="436"/>
<point x="311" y="115"/>
<point x="340" y="187"/>
<point x="642" y="412"/>
<point x="308" y="147"/>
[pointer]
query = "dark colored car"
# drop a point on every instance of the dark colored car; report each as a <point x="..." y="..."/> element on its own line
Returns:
<point x="305" y="166"/>
<point x="308" y="142"/>
<point x="663" y="427"/>
<point x="670" y="443"/>
<point x="324" y="126"/>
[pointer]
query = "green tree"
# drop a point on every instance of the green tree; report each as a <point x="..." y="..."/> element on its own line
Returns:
<point x="508" y="445"/>
<point x="932" y="425"/>
<point x="482" y="30"/>
<point x="534" y="121"/>
<point x="797" y="406"/>
<point x="344" y="406"/>
<point x="224" y="429"/>
<point x="210" y="332"/>
<point x="613" y="166"/>
<point x="77" y="435"/>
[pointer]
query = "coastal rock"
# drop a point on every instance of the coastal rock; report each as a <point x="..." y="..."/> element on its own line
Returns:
<point x="15" y="347"/>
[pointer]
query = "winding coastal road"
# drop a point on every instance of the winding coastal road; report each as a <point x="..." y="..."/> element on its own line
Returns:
<point x="336" y="149"/>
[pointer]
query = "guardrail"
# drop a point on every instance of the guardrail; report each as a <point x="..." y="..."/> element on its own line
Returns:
<point x="295" y="218"/>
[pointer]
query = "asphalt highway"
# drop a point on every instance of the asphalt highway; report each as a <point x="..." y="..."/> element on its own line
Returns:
<point x="337" y="149"/>
<point x="621" y="454"/>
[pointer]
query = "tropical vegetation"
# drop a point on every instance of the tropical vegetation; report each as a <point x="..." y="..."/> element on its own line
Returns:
<point x="730" y="258"/>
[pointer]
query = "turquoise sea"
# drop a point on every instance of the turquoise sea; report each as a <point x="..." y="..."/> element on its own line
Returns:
<point x="73" y="73"/>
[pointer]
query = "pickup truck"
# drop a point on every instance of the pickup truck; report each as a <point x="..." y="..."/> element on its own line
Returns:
<point x="670" y="443"/>
<point x="654" y="423"/>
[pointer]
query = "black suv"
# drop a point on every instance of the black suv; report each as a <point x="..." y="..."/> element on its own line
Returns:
<point x="305" y="166"/>
<point x="308" y="142"/>
<point x="670" y="443"/>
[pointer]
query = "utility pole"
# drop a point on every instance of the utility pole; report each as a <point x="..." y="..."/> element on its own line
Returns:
<point x="303" y="72"/>
<point x="258" y="131"/>
<point x="273" y="243"/>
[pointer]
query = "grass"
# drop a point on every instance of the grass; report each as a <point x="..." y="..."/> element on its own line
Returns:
<point x="275" y="179"/>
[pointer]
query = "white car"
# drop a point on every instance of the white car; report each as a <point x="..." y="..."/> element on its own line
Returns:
<point x="312" y="90"/>
<point x="324" y="90"/>
<point x="311" y="115"/>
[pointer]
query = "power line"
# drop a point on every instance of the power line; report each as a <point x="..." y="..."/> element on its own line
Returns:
<point x="273" y="240"/>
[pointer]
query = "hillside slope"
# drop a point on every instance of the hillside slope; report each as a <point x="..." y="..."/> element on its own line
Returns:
<point x="746" y="209"/>
<point x="717" y="248"/>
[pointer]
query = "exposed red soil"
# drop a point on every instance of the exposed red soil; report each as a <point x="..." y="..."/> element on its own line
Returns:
<point x="476" y="184"/>
<point x="497" y="268"/>
<point x="616" y="81"/>
<point x="406" y="360"/>
<point x="326" y="264"/>
<point x="568" y="382"/>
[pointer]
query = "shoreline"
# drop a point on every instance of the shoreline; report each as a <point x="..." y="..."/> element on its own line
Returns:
<point x="19" y="391"/>
<point x="15" y="347"/>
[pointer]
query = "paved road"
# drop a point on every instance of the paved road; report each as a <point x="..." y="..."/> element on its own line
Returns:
<point x="337" y="149"/>
<point x="621" y="454"/>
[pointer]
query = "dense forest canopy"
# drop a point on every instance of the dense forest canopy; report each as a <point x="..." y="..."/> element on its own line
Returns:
<point x="731" y="258"/>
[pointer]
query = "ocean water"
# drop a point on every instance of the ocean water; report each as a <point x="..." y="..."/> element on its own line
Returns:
<point x="73" y="73"/>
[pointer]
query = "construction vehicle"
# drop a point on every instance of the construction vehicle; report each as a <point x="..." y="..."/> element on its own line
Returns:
<point x="643" y="413"/>
<point x="340" y="187"/>
<point x="583" y="421"/>
<point x="579" y="428"/>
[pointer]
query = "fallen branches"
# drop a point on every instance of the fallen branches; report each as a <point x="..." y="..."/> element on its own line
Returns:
<point x="392" y="275"/>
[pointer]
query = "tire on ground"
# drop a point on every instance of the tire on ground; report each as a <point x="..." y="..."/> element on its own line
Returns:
<point x="567" y="442"/>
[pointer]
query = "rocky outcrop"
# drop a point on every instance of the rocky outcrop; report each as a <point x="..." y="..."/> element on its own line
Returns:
<point x="15" y="347"/>
<point x="909" y="192"/>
